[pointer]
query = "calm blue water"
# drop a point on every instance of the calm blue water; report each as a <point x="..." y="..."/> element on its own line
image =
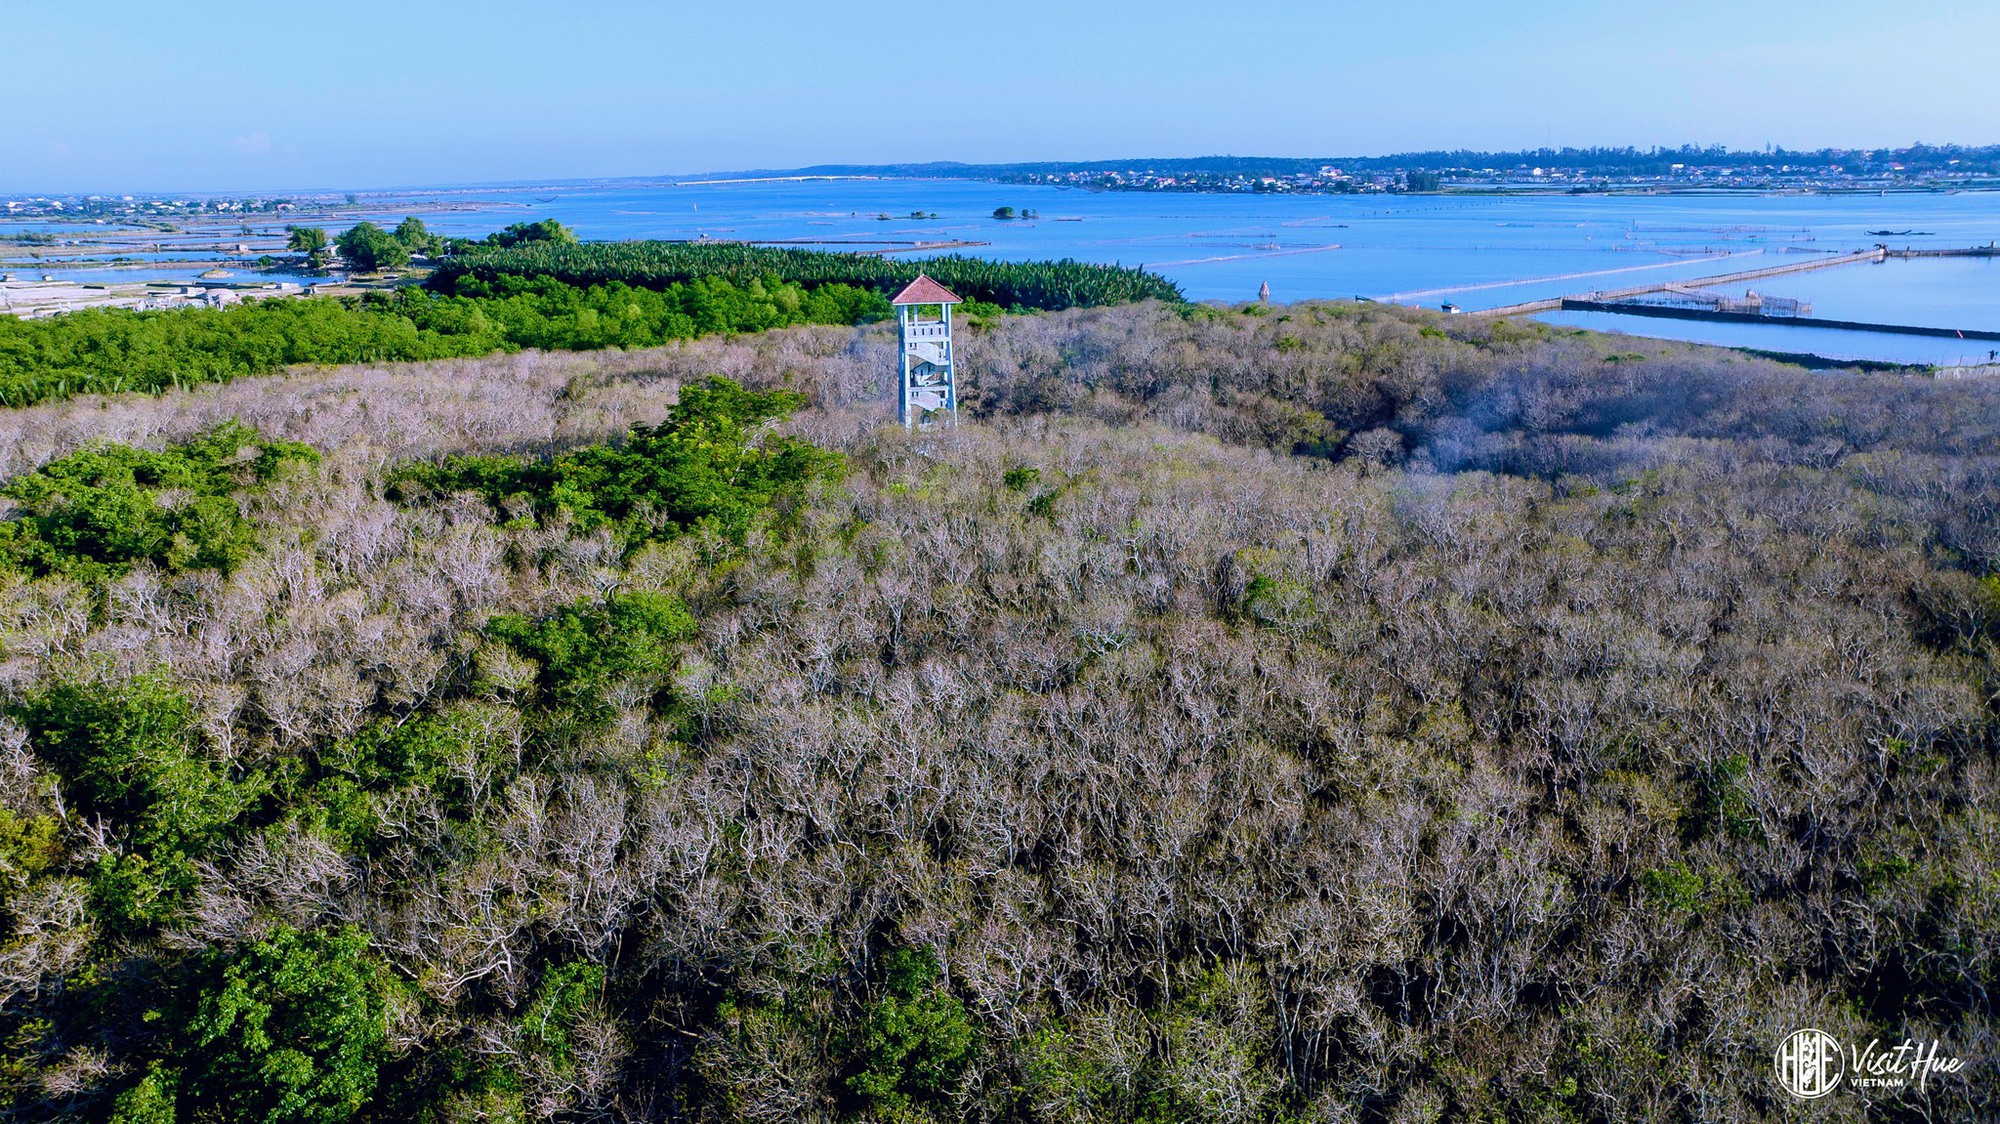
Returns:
<point x="1476" y="251"/>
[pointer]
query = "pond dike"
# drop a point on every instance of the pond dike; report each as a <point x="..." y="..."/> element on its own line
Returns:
<point x="1624" y="302"/>
<point x="1667" y="312"/>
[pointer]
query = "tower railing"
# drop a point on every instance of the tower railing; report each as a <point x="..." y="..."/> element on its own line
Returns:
<point x="927" y="384"/>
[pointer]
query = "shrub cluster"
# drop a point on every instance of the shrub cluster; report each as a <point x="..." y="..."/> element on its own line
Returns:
<point x="712" y="463"/>
<point x="95" y="513"/>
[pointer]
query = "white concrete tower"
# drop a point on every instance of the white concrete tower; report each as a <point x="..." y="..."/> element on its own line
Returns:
<point x="927" y="384"/>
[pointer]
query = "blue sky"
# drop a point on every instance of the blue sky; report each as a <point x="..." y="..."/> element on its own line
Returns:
<point x="227" y="96"/>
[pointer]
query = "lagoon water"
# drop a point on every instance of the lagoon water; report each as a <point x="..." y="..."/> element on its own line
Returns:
<point x="1474" y="250"/>
<point x="1478" y="251"/>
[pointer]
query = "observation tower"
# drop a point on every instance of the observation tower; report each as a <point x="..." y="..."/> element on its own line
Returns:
<point x="927" y="385"/>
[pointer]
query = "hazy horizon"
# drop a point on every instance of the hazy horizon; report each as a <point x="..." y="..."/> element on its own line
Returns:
<point x="130" y="98"/>
<point x="723" y="173"/>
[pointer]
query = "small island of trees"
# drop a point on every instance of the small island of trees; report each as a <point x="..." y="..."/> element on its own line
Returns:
<point x="367" y="247"/>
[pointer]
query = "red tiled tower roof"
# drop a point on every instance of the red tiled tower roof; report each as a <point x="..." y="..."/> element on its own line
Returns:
<point x="925" y="291"/>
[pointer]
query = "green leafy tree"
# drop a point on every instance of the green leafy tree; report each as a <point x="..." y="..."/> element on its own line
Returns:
<point x="151" y="1101"/>
<point x="914" y="1044"/>
<point x="523" y="233"/>
<point x="127" y="754"/>
<point x="368" y="247"/>
<point x="712" y="461"/>
<point x="584" y="649"/>
<point x="310" y="241"/>
<point x="290" y="1030"/>
<point x="547" y="1028"/>
<point x="97" y="512"/>
<point x="437" y="754"/>
<point x="415" y="237"/>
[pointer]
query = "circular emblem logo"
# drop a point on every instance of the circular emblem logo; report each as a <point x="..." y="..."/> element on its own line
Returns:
<point x="1809" y="1063"/>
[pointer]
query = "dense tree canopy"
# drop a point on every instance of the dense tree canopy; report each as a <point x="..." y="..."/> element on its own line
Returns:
<point x="368" y="247"/>
<point x="97" y="512"/>
<point x="653" y="265"/>
<point x="710" y="463"/>
<point x="523" y="233"/>
<point x="509" y="299"/>
<point x="288" y="1031"/>
<point x="111" y="350"/>
<point x="310" y="241"/>
<point x="1323" y="713"/>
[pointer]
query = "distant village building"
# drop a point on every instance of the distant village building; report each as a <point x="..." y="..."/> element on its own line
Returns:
<point x="927" y="383"/>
